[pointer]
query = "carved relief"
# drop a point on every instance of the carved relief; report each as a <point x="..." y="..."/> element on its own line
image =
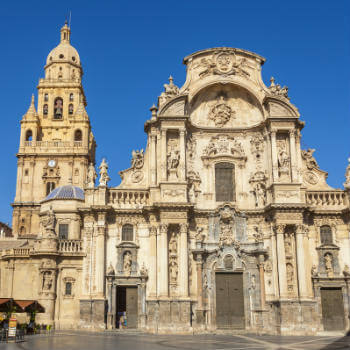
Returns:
<point x="289" y="247"/>
<point x="257" y="146"/>
<point x="47" y="281"/>
<point x="224" y="145"/>
<point x="310" y="178"/>
<point x="258" y="182"/>
<point x="328" y="263"/>
<point x="222" y="63"/>
<point x="221" y="112"/>
<point x="227" y="237"/>
<point x="194" y="182"/>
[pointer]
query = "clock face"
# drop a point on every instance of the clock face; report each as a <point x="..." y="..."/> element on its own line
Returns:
<point x="51" y="163"/>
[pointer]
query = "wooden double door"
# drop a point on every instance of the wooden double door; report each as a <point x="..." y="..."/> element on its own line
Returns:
<point x="229" y="300"/>
<point x="332" y="303"/>
<point x="127" y="304"/>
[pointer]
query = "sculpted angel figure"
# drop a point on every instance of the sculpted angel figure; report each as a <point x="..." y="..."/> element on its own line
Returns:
<point x="104" y="178"/>
<point x="208" y="64"/>
<point x="173" y="159"/>
<point x="127" y="263"/>
<point x="309" y="158"/>
<point x="137" y="159"/>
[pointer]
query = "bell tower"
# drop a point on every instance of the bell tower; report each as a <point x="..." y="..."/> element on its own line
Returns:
<point x="56" y="143"/>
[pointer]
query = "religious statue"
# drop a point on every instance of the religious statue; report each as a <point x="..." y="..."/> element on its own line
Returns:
<point x="49" y="222"/>
<point x="47" y="281"/>
<point x="104" y="178"/>
<point x="347" y="176"/>
<point x="314" y="271"/>
<point x="283" y="159"/>
<point x="91" y="176"/>
<point x="259" y="194"/>
<point x="290" y="274"/>
<point x="173" y="244"/>
<point x="137" y="159"/>
<point x="328" y="263"/>
<point x="173" y="271"/>
<point x="171" y="90"/>
<point x="173" y="159"/>
<point x="309" y="159"/>
<point x="110" y="270"/>
<point x="127" y="263"/>
<point x="143" y="270"/>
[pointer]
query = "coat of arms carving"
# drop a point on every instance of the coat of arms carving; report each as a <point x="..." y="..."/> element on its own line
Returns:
<point x="221" y="112"/>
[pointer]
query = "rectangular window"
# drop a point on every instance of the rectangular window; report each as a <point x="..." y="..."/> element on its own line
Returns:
<point x="224" y="182"/>
<point x="63" y="231"/>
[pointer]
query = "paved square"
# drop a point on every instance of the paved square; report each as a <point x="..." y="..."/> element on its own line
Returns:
<point x="139" y="341"/>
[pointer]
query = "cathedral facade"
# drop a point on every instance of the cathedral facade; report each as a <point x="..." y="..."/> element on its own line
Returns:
<point x="223" y="222"/>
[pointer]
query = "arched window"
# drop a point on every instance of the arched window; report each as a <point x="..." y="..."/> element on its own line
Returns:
<point x="78" y="135"/>
<point x="45" y="109"/>
<point x="58" y="108"/>
<point x="127" y="233"/>
<point x="68" y="288"/>
<point x="326" y="234"/>
<point x="224" y="182"/>
<point x="29" y="135"/>
<point x="71" y="97"/>
<point x="70" y="109"/>
<point x="49" y="187"/>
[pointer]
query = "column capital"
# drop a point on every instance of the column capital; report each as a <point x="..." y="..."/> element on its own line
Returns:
<point x="279" y="228"/>
<point x="163" y="228"/>
<point x="152" y="230"/>
<point x="301" y="229"/>
<point x="184" y="227"/>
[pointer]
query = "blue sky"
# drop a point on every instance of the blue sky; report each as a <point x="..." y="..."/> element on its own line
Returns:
<point x="129" y="48"/>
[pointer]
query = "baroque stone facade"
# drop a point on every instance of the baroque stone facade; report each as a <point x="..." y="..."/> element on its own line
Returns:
<point x="222" y="222"/>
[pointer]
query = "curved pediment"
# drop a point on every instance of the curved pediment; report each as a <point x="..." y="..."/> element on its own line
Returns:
<point x="174" y="107"/>
<point x="278" y="107"/>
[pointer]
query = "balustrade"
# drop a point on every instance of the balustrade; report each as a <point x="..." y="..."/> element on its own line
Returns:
<point x="127" y="198"/>
<point x="70" y="246"/>
<point x="329" y="199"/>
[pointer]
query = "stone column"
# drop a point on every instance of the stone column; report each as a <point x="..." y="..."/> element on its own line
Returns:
<point x="100" y="255"/>
<point x="153" y="159"/>
<point x="281" y="256"/>
<point x="293" y="160"/>
<point x="274" y="156"/>
<point x="109" y="296"/>
<point x="152" y="274"/>
<point x="302" y="284"/>
<point x="262" y="280"/>
<point x="162" y="254"/>
<point x="164" y="154"/>
<point x="182" y="156"/>
<point x="183" y="261"/>
<point x="114" y="304"/>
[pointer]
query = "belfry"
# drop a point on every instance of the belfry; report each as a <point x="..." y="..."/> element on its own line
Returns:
<point x="222" y="222"/>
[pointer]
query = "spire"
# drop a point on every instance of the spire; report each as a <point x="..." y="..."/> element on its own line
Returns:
<point x="65" y="33"/>
<point x="31" y="110"/>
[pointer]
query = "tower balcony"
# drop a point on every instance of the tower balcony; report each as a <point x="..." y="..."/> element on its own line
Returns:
<point x="52" y="146"/>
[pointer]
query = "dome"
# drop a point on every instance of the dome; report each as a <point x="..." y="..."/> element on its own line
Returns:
<point x="66" y="192"/>
<point x="64" y="52"/>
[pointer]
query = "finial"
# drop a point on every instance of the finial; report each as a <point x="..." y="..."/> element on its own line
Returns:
<point x="154" y="110"/>
<point x="65" y="22"/>
<point x="272" y="80"/>
<point x="31" y="110"/>
<point x="171" y="79"/>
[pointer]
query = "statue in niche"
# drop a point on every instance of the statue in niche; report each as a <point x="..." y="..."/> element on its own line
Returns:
<point x="137" y="159"/>
<point x="283" y="158"/>
<point x="127" y="263"/>
<point x="173" y="244"/>
<point x="290" y="274"/>
<point x="91" y="176"/>
<point x="314" y="271"/>
<point x="47" y="281"/>
<point x="259" y="192"/>
<point x="104" y="178"/>
<point x="173" y="160"/>
<point x="173" y="271"/>
<point x="288" y="245"/>
<point x="328" y="263"/>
